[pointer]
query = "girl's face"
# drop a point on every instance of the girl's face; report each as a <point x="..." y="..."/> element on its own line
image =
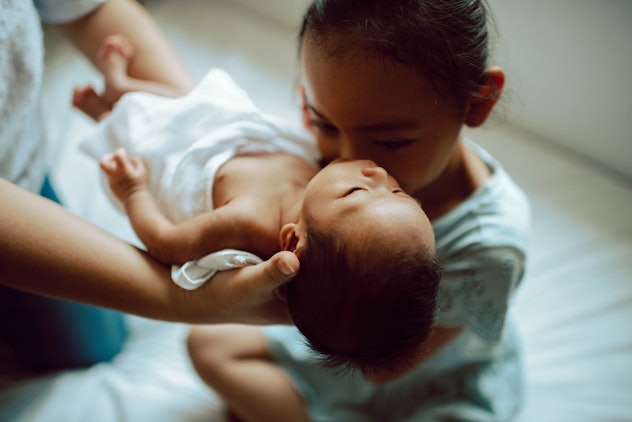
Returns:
<point x="361" y="106"/>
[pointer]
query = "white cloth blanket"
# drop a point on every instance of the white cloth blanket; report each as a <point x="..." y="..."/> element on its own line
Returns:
<point x="184" y="142"/>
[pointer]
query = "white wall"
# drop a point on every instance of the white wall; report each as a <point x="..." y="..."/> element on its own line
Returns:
<point x="569" y="64"/>
<point x="570" y="70"/>
<point x="284" y="12"/>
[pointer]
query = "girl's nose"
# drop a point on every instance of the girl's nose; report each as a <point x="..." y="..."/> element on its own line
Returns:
<point x="352" y="148"/>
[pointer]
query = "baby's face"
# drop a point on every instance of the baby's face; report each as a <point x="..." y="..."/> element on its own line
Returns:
<point x="366" y="205"/>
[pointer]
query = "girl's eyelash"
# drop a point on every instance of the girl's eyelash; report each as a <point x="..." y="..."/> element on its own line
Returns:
<point x="321" y="125"/>
<point x="389" y="145"/>
<point x="393" y="145"/>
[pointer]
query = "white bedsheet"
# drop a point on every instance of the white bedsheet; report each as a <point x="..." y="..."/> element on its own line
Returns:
<point x="150" y="380"/>
<point x="574" y="308"/>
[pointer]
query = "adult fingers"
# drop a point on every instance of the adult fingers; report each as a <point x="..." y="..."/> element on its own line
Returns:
<point x="282" y="268"/>
<point x="245" y="295"/>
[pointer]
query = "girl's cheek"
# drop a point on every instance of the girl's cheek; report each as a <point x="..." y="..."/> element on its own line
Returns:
<point x="328" y="149"/>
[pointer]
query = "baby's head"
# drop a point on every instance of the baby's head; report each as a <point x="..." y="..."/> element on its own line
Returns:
<point x="365" y="295"/>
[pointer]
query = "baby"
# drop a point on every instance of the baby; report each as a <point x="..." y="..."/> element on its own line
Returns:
<point x="208" y="172"/>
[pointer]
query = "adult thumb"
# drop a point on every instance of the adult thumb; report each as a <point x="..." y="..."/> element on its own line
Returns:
<point x="284" y="267"/>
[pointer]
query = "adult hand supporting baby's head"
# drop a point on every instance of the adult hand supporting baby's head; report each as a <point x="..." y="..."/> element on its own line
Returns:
<point x="246" y="295"/>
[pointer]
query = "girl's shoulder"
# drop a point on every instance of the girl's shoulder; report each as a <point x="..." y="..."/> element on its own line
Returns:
<point x="482" y="247"/>
<point x="496" y="214"/>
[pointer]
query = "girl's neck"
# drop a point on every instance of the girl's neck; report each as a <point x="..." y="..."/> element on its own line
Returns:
<point x="464" y="173"/>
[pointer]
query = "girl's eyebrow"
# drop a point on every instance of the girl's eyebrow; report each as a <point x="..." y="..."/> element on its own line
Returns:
<point x="316" y="112"/>
<point x="387" y="126"/>
<point x="372" y="127"/>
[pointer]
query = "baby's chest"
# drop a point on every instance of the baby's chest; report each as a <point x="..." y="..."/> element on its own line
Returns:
<point x="247" y="176"/>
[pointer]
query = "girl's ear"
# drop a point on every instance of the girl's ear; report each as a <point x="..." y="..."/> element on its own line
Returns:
<point x="484" y="100"/>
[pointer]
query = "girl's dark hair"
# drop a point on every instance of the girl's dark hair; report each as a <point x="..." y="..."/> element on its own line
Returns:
<point x="447" y="41"/>
<point x="360" y="311"/>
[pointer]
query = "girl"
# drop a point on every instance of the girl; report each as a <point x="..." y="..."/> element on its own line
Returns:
<point x="396" y="82"/>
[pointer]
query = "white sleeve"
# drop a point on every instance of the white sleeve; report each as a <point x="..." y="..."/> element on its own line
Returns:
<point x="62" y="11"/>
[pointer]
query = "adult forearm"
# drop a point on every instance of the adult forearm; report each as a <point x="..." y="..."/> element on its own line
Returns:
<point x="45" y="249"/>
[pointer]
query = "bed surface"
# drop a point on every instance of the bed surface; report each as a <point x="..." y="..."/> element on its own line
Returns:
<point x="574" y="307"/>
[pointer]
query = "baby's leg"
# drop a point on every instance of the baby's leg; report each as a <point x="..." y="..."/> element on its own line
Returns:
<point x="235" y="362"/>
<point x="113" y="59"/>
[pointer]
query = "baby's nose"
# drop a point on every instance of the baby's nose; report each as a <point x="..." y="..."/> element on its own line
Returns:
<point x="374" y="171"/>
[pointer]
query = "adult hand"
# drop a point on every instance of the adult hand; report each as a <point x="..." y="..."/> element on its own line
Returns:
<point x="247" y="295"/>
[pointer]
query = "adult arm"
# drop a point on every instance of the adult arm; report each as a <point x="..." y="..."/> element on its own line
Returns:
<point x="155" y="59"/>
<point x="45" y="249"/>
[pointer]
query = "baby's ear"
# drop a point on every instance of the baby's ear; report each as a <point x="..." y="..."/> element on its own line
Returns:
<point x="290" y="237"/>
<point x="484" y="100"/>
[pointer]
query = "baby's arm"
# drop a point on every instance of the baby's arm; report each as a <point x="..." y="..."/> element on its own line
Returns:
<point x="168" y="242"/>
<point x="129" y="181"/>
<point x="234" y="360"/>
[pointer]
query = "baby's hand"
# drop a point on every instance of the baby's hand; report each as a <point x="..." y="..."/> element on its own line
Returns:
<point x="126" y="173"/>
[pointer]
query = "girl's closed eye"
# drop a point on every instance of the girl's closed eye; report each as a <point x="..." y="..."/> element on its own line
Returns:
<point x="322" y="125"/>
<point x="393" y="145"/>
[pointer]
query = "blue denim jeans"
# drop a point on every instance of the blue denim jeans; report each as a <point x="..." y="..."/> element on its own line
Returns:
<point x="50" y="334"/>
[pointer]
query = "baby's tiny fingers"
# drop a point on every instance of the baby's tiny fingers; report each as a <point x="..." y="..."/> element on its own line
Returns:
<point x="123" y="160"/>
<point x="137" y="162"/>
<point x="107" y="163"/>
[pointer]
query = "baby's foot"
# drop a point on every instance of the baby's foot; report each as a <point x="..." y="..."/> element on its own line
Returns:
<point x="89" y="102"/>
<point x="113" y="59"/>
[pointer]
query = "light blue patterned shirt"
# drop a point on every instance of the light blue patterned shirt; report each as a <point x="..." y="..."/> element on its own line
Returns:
<point x="481" y="246"/>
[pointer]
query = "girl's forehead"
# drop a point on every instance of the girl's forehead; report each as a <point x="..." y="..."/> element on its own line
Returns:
<point x="363" y="93"/>
<point x="362" y="74"/>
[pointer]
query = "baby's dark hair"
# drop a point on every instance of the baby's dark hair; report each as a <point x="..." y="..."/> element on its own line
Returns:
<point x="362" y="311"/>
<point x="447" y="41"/>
